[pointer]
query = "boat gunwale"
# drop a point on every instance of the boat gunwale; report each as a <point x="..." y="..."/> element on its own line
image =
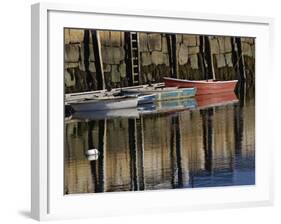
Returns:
<point x="125" y="98"/>
<point x="156" y="91"/>
<point x="201" y="81"/>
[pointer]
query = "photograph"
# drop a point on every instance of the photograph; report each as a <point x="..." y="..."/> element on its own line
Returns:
<point x="157" y="111"/>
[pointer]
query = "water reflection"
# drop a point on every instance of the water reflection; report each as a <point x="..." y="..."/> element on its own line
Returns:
<point x="208" y="144"/>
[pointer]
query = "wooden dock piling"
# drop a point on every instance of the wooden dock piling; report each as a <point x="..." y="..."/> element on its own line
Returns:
<point x="238" y="59"/>
<point x="132" y="133"/>
<point x="172" y="52"/>
<point x="201" y="56"/>
<point x="208" y="137"/>
<point x="98" y="59"/>
<point x="89" y="78"/>
<point x="209" y="58"/>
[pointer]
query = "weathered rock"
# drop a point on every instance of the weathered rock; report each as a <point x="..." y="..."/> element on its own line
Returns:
<point x="104" y="38"/>
<point x="146" y="58"/>
<point x="92" y="67"/>
<point x="92" y="55"/>
<point x="193" y="61"/>
<point x="154" y="42"/>
<point x="189" y="40"/>
<point x="164" y="44"/>
<point x="71" y="65"/>
<point x="115" y="39"/>
<point x="74" y="35"/>
<point x="183" y="54"/>
<point x="178" y="38"/>
<point x="82" y="66"/>
<point x="106" y="67"/>
<point x="112" y="55"/>
<point x="115" y="74"/>
<point x="249" y="40"/>
<point x="69" y="79"/>
<point x="81" y="81"/>
<point x="220" y="60"/>
<point x="221" y="44"/>
<point x="122" y="41"/>
<point x="143" y="42"/>
<point x="157" y="58"/>
<point x="91" y="52"/>
<point x="66" y="36"/>
<point x="149" y="77"/>
<point x="122" y="70"/>
<point x="193" y="50"/>
<point x="71" y="52"/>
<point x="166" y="59"/>
<point x="254" y="51"/>
<point x="246" y="49"/>
<point x="214" y="44"/>
<point x="228" y="58"/>
<point x="227" y="44"/>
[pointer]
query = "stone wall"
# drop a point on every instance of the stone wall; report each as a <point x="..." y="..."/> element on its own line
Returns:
<point x="188" y="57"/>
<point x="113" y="55"/>
<point x="154" y="58"/>
<point x="221" y="48"/>
<point x="248" y="51"/>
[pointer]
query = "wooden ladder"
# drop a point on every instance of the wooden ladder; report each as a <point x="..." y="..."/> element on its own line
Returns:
<point x="135" y="56"/>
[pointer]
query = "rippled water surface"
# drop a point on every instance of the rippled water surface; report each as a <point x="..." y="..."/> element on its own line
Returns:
<point x="206" y="145"/>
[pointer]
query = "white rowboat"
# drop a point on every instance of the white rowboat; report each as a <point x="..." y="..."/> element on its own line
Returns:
<point x="107" y="103"/>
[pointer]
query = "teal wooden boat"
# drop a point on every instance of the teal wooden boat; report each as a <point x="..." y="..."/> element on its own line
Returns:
<point x="168" y="106"/>
<point x="176" y="94"/>
<point x="163" y="93"/>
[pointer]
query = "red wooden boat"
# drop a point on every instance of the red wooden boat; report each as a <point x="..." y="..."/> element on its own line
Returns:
<point x="209" y="86"/>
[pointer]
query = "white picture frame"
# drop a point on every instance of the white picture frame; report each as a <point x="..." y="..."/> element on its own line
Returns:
<point x="47" y="200"/>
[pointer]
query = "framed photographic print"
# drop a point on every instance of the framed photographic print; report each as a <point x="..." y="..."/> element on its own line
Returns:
<point x="148" y="111"/>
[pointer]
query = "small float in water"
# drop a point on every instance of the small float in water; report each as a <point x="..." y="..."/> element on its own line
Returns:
<point x="92" y="154"/>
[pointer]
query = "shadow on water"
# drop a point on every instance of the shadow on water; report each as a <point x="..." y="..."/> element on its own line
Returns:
<point x="206" y="146"/>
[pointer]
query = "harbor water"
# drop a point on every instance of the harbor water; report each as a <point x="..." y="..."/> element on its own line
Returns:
<point x="200" y="145"/>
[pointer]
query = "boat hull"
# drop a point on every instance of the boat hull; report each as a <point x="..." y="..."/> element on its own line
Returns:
<point x="165" y="94"/>
<point x="176" y="94"/>
<point x="203" y="87"/>
<point x="145" y="99"/>
<point x="212" y="100"/>
<point x="111" y="104"/>
<point x="169" y="106"/>
<point x="106" y="114"/>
